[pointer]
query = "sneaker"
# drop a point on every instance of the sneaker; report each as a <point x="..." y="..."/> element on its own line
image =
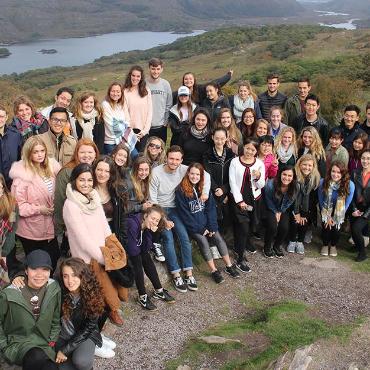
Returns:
<point x="104" y="352"/>
<point x="333" y="252"/>
<point x="366" y="241"/>
<point x="278" y="251"/>
<point x="243" y="267"/>
<point x="251" y="248"/>
<point x="147" y="303"/>
<point x="324" y="250"/>
<point x="179" y="284"/>
<point x="215" y="253"/>
<point x="164" y="296"/>
<point x="191" y="283"/>
<point x="291" y="247"/>
<point x="308" y="237"/>
<point x="257" y="236"/>
<point x="217" y="277"/>
<point x="158" y="255"/>
<point x="351" y="241"/>
<point x="232" y="271"/>
<point x="268" y="252"/>
<point x="299" y="248"/>
<point x="107" y="342"/>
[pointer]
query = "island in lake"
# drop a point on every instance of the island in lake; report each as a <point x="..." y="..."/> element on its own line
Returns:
<point x="48" y="51"/>
<point x="4" y="52"/>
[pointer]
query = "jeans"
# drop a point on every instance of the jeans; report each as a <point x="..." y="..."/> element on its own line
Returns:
<point x="169" y="243"/>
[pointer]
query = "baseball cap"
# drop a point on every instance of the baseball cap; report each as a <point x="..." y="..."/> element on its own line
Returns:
<point x="183" y="90"/>
<point x="38" y="258"/>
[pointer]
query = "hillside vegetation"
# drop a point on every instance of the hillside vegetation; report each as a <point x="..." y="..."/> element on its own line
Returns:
<point x="336" y="60"/>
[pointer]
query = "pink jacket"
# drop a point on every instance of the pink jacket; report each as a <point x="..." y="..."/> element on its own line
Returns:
<point x="31" y="193"/>
<point x="271" y="170"/>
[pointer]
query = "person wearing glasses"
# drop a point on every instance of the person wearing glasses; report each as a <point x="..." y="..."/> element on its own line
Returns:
<point x="59" y="145"/>
<point x="30" y="316"/>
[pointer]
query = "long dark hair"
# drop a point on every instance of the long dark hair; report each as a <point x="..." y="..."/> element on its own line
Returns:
<point x="77" y="171"/>
<point x="90" y="292"/>
<point x="194" y="93"/>
<point x="142" y="84"/>
<point x="7" y="201"/>
<point x="344" y="181"/>
<point x="248" y="131"/>
<point x="292" y="187"/>
<point x="356" y="154"/>
<point x="112" y="171"/>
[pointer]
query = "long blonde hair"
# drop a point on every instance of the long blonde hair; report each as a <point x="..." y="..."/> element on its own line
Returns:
<point x="232" y="131"/>
<point x="280" y="136"/>
<point x="248" y="85"/>
<point x="314" y="177"/>
<point x="141" y="187"/>
<point x="162" y="156"/>
<point x="316" y="149"/>
<point x="45" y="167"/>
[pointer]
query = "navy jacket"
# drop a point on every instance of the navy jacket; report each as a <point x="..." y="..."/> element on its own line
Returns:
<point x="196" y="215"/>
<point x="350" y="134"/>
<point x="275" y="204"/>
<point x="10" y="150"/>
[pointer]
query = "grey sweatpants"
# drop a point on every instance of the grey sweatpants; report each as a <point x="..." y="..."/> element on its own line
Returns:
<point x="82" y="358"/>
<point x="204" y="243"/>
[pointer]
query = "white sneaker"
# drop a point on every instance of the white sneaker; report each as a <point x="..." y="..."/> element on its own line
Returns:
<point x="350" y="241"/>
<point x="291" y="247"/>
<point x="104" y="352"/>
<point x="158" y="255"/>
<point x="107" y="342"/>
<point x="366" y="240"/>
<point x="215" y="253"/>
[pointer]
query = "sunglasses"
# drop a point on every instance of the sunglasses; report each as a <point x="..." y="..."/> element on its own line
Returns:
<point x="152" y="145"/>
<point x="35" y="305"/>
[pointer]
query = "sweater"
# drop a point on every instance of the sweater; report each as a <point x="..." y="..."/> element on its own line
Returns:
<point x="271" y="169"/>
<point x="161" y="101"/>
<point x="266" y="102"/>
<point x="138" y="240"/>
<point x="140" y="110"/>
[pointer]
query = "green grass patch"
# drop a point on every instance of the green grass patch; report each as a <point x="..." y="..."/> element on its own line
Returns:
<point x="286" y="326"/>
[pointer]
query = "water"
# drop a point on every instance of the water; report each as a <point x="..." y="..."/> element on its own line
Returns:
<point x="79" y="51"/>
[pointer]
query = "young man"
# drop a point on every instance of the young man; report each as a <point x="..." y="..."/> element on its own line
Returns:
<point x="272" y="96"/>
<point x="295" y="105"/>
<point x="350" y="124"/>
<point x="161" y="98"/>
<point x="366" y="125"/>
<point x="335" y="151"/>
<point x="311" y="118"/>
<point x="165" y="179"/>
<point x="59" y="145"/>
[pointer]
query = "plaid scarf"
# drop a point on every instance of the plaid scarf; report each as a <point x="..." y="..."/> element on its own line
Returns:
<point x="6" y="227"/>
<point x="29" y="128"/>
<point x="340" y="209"/>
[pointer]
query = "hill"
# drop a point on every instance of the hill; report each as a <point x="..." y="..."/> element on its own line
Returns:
<point x="354" y="7"/>
<point x="36" y="19"/>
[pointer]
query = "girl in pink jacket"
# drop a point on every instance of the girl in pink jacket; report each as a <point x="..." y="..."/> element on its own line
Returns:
<point x="33" y="188"/>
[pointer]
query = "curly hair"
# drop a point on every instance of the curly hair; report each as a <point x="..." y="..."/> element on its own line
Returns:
<point x="142" y="89"/>
<point x="316" y="148"/>
<point x="186" y="186"/>
<point x="233" y="132"/>
<point x="344" y="181"/>
<point x="90" y="292"/>
<point x="279" y="139"/>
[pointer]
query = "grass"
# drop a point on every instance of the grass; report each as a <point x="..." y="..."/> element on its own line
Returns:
<point x="285" y="326"/>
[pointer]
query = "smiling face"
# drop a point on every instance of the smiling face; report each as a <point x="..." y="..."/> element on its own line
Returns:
<point x="154" y="148"/>
<point x="115" y="93"/>
<point x="335" y="142"/>
<point x="57" y="122"/>
<point x="219" y="138"/>
<point x="86" y="154"/>
<point x="307" y="139"/>
<point x="135" y="77"/>
<point x="151" y="220"/>
<point x="335" y="174"/>
<point x="84" y="183"/>
<point x="303" y="90"/>
<point x="102" y="173"/>
<point x="225" y="119"/>
<point x="120" y="158"/>
<point x="189" y="80"/>
<point x="71" y="281"/>
<point x="200" y="121"/>
<point x="287" y="177"/>
<point x="287" y="139"/>
<point x="273" y="85"/>
<point x="212" y="93"/>
<point x="87" y="105"/>
<point x="358" y="144"/>
<point x="143" y="171"/>
<point x="155" y="71"/>
<point x="261" y="129"/>
<point x="275" y="118"/>
<point x="249" y="151"/>
<point x="174" y="159"/>
<point x="365" y="161"/>
<point x="311" y="107"/>
<point x="24" y="112"/>
<point x="306" y="167"/>
<point x="38" y="277"/>
<point x="38" y="154"/>
<point x="248" y="119"/>
<point x="183" y="99"/>
<point x="194" y="175"/>
<point x="63" y="100"/>
<point x="350" y="118"/>
<point x="265" y="148"/>
<point x="3" y="118"/>
<point x="243" y="92"/>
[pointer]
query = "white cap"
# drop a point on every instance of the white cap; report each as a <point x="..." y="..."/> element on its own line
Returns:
<point x="183" y="90"/>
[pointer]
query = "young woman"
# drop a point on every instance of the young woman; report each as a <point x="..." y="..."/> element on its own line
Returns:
<point x="248" y="123"/>
<point x="198" y="92"/>
<point x="140" y="228"/>
<point x="267" y="156"/>
<point x="247" y="178"/>
<point x="181" y="114"/>
<point x="33" y="188"/>
<point x="196" y="140"/>
<point x="359" y="145"/>
<point x="335" y="151"/>
<point x="155" y="151"/>
<point x="335" y="194"/>
<point x="200" y="220"/>
<point x="279" y="195"/>
<point x="87" y="120"/>
<point x="85" y="152"/>
<point x="116" y="119"/>
<point x="82" y="305"/>
<point x="214" y="101"/>
<point x="262" y="128"/>
<point x="360" y="207"/>
<point x="276" y="117"/>
<point x="286" y="147"/>
<point x="121" y="158"/>
<point x="245" y="98"/>
<point x="139" y="103"/>
<point x="234" y="136"/>
<point x="26" y="120"/>
<point x="309" y="142"/>
<point x="217" y="163"/>
<point x="308" y="179"/>
<point x="87" y="229"/>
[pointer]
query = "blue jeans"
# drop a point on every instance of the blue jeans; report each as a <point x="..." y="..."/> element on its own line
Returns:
<point x="169" y="243"/>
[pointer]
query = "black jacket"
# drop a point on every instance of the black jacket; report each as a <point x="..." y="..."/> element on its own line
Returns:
<point x="214" y="108"/>
<point x="350" y="134"/>
<point x="321" y="164"/>
<point x="361" y="198"/>
<point x="266" y="102"/>
<point x="177" y="126"/>
<point x="320" y="125"/>
<point x="98" y="134"/>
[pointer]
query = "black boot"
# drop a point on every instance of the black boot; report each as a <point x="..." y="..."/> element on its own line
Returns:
<point x="268" y="252"/>
<point x="278" y="251"/>
<point x="361" y="255"/>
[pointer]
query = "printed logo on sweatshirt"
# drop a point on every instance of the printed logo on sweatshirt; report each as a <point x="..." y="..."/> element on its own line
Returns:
<point x="158" y="92"/>
<point x="196" y="206"/>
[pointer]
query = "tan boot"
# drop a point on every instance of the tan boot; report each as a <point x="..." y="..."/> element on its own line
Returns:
<point x="324" y="250"/>
<point x="333" y="251"/>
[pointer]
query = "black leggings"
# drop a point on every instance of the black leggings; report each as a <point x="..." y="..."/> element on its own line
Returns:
<point x="297" y="232"/>
<point x="358" y="224"/>
<point x="241" y="227"/>
<point x="141" y="262"/>
<point x="276" y="230"/>
<point x="330" y="236"/>
<point x="36" y="358"/>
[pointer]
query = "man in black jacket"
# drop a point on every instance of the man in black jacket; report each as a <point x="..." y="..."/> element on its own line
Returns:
<point x="350" y="125"/>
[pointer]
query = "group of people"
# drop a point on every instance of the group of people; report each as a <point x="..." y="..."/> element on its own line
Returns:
<point x="77" y="184"/>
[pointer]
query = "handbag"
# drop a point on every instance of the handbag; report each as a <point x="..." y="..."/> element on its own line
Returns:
<point x="114" y="255"/>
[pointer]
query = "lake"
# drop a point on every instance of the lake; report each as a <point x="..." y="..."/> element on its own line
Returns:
<point x="79" y="51"/>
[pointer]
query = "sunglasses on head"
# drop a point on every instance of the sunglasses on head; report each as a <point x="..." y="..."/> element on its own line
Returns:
<point x="152" y="145"/>
<point x="35" y="305"/>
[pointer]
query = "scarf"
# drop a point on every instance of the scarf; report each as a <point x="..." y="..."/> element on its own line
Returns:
<point x="31" y="127"/>
<point x="199" y="134"/>
<point x="340" y="209"/>
<point x="87" y="123"/>
<point x="284" y="155"/>
<point x="87" y="205"/>
<point x="6" y="227"/>
<point x="240" y="105"/>
<point x="221" y="158"/>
